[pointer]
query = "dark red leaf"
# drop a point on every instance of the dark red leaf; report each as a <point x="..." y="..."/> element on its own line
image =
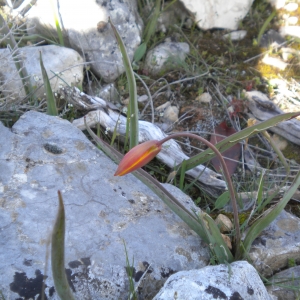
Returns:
<point x="222" y="131"/>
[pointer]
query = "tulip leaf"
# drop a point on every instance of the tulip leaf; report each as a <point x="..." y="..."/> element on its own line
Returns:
<point x="140" y="52"/>
<point x="222" y="200"/>
<point x="58" y="254"/>
<point x="51" y="102"/>
<point x="133" y="113"/>
<point x="228" y="142"/>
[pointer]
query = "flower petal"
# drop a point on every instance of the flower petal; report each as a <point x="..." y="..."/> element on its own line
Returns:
<point x="138" y="156"/>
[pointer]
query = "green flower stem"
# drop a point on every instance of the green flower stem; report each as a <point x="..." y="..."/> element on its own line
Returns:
<point x="227" y="177"/>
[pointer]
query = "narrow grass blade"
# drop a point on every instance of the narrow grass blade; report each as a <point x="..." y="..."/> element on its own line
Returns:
<point x="51" y="102"/>
<point x="58" y="254"/>
<point x="129" y="271"/>
<point x="260" y="189"/>
<point x="57" y="25"/>
<point x="133" y="107"/>
<point x="265" y="221"/>
<point x="237" y="137"/>
<point x="182" y="175"/>
<point x="265" y="25"/>
<point x="151" y="25"/>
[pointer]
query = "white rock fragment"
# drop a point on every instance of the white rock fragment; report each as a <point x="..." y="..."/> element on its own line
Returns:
<point x="275" y="62"/>
<point x="218" y="14"/>
<point x="142" y="98"/>
<point x="165" y="57"/>
<point x="171" y="114"/>
<point x="162" y="107"/>
<point x="235" y="35"/>
<point x="292" y="20"/>
<point x="224" y="223"/>
<point x="204" y="98"/>
<point x="290" y="30"/>
<point x="292" y="6"/>
<point x="277" y="3"/>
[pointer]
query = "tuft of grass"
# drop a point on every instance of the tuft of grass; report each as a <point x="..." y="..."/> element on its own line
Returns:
<point x="57" y="25"/>
<point x="130" y="274"/>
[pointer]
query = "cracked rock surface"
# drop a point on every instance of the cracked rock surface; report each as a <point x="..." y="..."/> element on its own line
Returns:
<point x="43" y="154"/>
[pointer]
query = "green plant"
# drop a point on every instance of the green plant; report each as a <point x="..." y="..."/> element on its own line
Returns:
<point x="58" y="254"/>
<point x="51" y="102"/>
<point x="130" y="274"/>
<point x="202" y="224"/>
<point x="143" y="153"/>
<point x="57" y="24"/>
<point x="132" y="114"/>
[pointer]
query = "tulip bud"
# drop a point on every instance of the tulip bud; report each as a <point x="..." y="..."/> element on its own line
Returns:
<point x="138" y="156"/>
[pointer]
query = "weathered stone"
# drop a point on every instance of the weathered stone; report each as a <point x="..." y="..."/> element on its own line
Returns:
<point x="43" y="154"/>
<point x="221" y="14"/>
<point x="63" y="62"/>
<point x="279" y="242"/>
<point x="171" y="114"/>
<point x="235" y="35"/>
<point x="224" y="223"/>
<point x="237" y="281"/>
<point x="165" y="57"/>
<point x="204" y="98"/>
<point x="288" y="278"/>
<point x="261" y="108"/>
<point x="86" y="29"/>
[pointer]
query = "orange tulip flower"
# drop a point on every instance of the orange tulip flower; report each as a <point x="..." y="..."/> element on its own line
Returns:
<point x="138" y="156"/>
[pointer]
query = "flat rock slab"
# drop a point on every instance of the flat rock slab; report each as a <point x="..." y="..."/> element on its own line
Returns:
<point x="278" y="243"/>
<point x="43" y="154"/>
<point x="282" y="283"/>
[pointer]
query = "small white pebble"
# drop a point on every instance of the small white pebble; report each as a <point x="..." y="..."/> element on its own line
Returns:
<point x="291" y="7"/>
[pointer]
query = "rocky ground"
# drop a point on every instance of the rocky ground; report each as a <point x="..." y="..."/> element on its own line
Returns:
<point x="207" y="79"/>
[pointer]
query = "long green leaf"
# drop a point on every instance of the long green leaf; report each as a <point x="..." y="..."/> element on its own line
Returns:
<point x="265" y="221"/>
<point x="235" y="138"/>
<point x="133" y="106"/>
<point x="51" y="102"/>
<point x="222" y="200"/>
<point x="216" y="242"/>
<point x="58" y="254"/>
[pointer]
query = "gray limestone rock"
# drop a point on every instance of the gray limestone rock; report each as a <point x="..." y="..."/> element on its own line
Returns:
<point x="43" y="154"/>
<point x="286" y="284"/>
<point x="278" y="243"/>
<point x="165" y="57"/>
<point x="64" y="66"/>
<point x="218" y="14"/>
<point x="238" y="280"/>
<point x="86" y="29"/>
